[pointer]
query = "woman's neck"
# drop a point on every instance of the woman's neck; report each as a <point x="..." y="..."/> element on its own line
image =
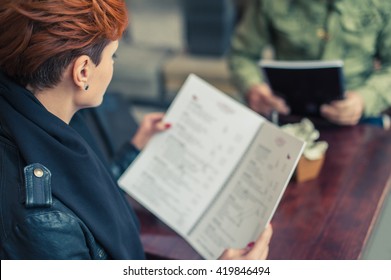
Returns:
<point x="57" y="100"/>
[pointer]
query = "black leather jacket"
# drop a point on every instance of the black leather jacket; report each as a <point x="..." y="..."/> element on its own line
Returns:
<point x="34" y="224"/>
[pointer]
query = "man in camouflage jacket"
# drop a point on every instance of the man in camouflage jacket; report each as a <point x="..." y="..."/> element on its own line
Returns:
<point x="355" y="31"/>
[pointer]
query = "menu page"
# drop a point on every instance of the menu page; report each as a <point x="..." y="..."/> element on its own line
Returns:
<point x="182" y="170"/>
<point x="249" y="199"/>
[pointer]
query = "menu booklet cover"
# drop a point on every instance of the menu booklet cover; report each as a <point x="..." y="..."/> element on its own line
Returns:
<point x="305" y="85"/>
<point x="217" y="175"/>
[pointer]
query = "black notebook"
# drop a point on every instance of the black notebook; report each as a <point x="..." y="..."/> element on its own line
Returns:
<point x="305" y="85"/>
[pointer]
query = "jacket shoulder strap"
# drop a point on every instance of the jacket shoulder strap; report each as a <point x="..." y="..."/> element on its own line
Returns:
<point x="38" y="186"/>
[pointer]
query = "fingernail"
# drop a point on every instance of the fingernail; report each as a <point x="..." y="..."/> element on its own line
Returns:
<point x="251" y="244"/>
<point x="167" y="125"/>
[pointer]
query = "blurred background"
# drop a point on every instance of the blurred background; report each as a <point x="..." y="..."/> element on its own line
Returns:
<point x="166" y="41"/>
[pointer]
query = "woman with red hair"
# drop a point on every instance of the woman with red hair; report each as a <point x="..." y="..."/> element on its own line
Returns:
<point x="58" y="200"/>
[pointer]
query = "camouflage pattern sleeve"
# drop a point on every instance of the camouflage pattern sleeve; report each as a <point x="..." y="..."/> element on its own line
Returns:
<point x="249" y="39"/>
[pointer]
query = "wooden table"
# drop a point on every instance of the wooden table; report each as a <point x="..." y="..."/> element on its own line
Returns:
<point x="330" y="217"/>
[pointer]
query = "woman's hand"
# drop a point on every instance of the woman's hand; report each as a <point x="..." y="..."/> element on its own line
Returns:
<point x="257" y="250"/>
<point x="151" y="124"/>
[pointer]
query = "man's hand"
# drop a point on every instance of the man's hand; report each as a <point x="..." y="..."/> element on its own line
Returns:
<point x="344" y="112"/>
<point x="261" y="99"/>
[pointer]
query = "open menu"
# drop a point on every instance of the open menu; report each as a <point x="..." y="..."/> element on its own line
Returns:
<point x="217" y="175"/>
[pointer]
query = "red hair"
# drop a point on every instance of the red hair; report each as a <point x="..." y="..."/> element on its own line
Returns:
<point x="40" y="38"/>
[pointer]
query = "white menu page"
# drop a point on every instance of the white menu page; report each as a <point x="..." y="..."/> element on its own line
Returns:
<point x="217" y="175"/>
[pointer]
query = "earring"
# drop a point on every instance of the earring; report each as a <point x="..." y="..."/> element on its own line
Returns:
<point x="86" y="86"/>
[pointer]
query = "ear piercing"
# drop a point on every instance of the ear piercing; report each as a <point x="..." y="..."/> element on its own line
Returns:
<point x="86" y="87"/>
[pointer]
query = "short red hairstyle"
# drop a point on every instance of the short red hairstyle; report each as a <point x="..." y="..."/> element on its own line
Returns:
<point x="40" y="38"/>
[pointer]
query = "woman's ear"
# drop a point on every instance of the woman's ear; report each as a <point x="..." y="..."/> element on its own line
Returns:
<point x="82" y="71"/>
